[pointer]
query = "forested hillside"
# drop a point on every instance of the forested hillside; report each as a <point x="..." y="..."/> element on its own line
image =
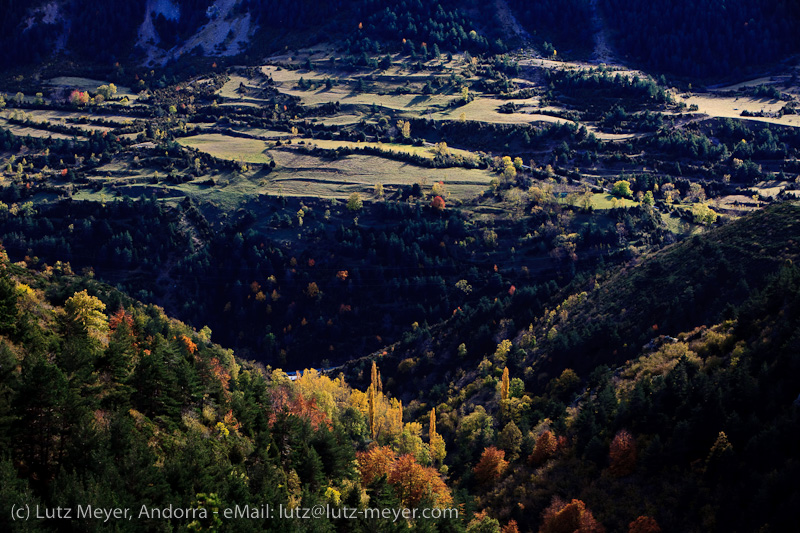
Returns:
<point x="108" y="402"/>
<point x="678" y="411"/>
<point x="565" y="27"/>
<point x="703" y="39"/>
<point x="108" y="32"/>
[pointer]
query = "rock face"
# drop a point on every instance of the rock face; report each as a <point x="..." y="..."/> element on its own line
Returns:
<point x="141" y="29"/>
<point x="224" y="34"/>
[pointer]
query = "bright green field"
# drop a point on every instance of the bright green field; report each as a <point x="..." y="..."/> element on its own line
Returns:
<point x="607" y="201"/>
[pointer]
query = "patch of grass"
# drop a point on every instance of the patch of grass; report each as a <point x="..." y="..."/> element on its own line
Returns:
<point x="87" y="84"/>
<point x="233" y="148"/>
<point x="602" y="201"/>
<point x="300" y="174"/>
<point x="424" y="151"/>
<point x="22" y="131"/>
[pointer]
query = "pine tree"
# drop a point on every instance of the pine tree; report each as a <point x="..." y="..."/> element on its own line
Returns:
<point x="8" y="304"/>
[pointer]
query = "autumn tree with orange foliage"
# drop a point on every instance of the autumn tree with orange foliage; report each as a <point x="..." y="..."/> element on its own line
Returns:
<point x="622" y="454"/>
<point x="644" y="524"/>
<point x="545" y="447"/>
<point x="491" y="465"/>
<point x="573" y="517"/>
<point x="118" y="318"/>
<point x="188" y="344"/>
<point x="511" y="527"/>
<point x="283" y="401"/>
<point x="375" y="462"/>
<point x="410" y="481"/>
<point x="437" y="203"/>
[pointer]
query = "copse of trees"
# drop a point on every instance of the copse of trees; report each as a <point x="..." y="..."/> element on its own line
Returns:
<point x="600" y="85"/>
<point x="439" y="23"/>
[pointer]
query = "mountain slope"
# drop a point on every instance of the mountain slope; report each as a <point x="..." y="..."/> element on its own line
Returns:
<point x="684" y="286"/>
<point x="685" y="431"/>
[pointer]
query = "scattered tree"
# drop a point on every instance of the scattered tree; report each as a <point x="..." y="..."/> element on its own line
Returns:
<point x="545" y="448"/>
<point x="491" y="465"/>
<point x="354" y="202"/>
<point x="644" y="524"/>
<point x="573" y="517"/>
<point x="622" y="454"/>
<point x="622" y="188"/>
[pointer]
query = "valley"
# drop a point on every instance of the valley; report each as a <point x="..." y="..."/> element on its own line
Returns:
<point x="391" y="254"/>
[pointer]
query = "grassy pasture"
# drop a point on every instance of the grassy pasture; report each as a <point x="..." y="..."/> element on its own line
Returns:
<point x="56" y="116"/>
<point x="414" y="104"/>
<point x="424" y="151"/>
<point x="732" y="107"/>
<point x="342" y="120"/>
<point x="23" y="131"/>
<point x="260" y="132"/>
<point x="485" y="110"/>
<point x="225" y="147"/>
<point x="88" y="84"/>
<point x="601" y="201"/>
<point x="60" y="118"/>
<point x="300" y="174"/>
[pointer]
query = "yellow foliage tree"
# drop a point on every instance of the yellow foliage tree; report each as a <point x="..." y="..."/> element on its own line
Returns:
<point x="85" y="315"/>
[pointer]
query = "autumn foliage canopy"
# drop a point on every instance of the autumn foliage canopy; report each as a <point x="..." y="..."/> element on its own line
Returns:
<point x="491" y="465"/>
<point x="572" y="517"/>
<point x="410" y="481"/>
<point x="622" y="454"/>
